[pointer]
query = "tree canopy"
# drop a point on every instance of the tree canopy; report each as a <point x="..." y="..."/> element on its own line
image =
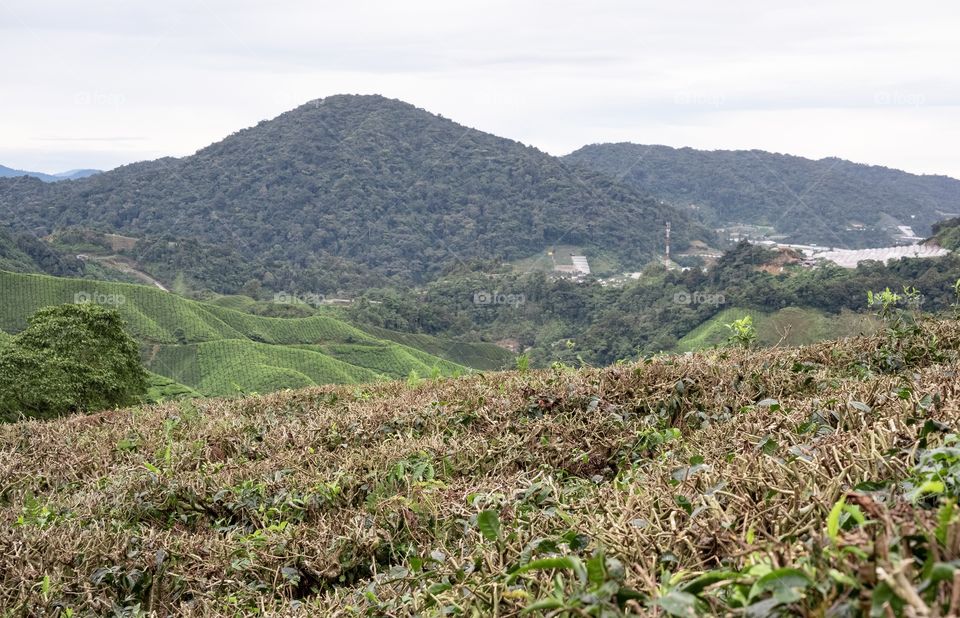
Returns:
<point x="75" y="357"/>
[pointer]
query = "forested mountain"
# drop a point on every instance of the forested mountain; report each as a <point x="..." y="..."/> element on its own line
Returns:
<point x="830" y="202"/>
<point x="350" y="190"/>
<point x="6" y="172"/>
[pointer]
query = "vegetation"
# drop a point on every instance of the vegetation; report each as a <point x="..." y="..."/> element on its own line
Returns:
<point x="947" y="234"/>
<point x="25" y="253"/>
<point x="215" y="350"/>
<point x="589" y="323"/>
<point x="788" y="327"/>
<point x="70" y="358"/>
<point x="815" y="480"/>
<point x="362" y="191"/>
<point x="810" y="201"/>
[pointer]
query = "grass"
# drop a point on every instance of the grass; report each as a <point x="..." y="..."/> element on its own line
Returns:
<point x="782" y="480"/>
<point x="238" y="366"/>
<point x="544" y="262"/>
<point x="483" y="356"/>
<point x="162" y="389"/>
<point x="219" y="350"/>
<point x="791" y="326"/>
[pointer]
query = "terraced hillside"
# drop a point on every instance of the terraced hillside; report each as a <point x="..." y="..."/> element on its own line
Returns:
<point x="220" y="351"/>
<point x="790" y="326"/>
<point x="820" y="480"/>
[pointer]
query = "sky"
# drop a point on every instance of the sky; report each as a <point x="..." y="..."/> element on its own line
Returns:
<point x="99" y="84"/>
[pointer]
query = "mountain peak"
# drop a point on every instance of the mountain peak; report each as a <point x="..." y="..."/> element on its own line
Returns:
<point x="7" y="172"/>
<point x="362" y="187"/>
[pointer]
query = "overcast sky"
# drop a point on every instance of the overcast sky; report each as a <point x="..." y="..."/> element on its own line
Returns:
<point x="100" y="84"/>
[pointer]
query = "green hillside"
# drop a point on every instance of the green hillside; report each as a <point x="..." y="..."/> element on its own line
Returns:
<point x="220" y="351"/>
<point x="947" y="234"/>
<point x="790" y="327"/>
<point x="482" y="356"/>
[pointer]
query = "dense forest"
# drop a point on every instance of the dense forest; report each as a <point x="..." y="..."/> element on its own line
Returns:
<point x="810" y="201"/>
<point x="560" y="320"/>
<point x="349" y="190"/>
<point x="28" y="254"/>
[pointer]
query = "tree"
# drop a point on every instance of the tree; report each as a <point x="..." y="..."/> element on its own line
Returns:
<point x="70" y="358"/>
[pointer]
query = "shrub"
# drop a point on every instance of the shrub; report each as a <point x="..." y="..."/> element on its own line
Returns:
<point x="70" y="358"/>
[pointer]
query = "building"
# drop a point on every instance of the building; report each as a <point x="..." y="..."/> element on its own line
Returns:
<point x="580" y="264"/>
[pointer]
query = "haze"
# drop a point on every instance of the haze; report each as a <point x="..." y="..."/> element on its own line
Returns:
<point x="100" y="84"/>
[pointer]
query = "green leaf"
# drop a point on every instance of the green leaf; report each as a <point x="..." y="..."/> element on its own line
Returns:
<point x="489" y="524"/>
<point x="596" y="573"/>
<point x="677" y="603"/>
<point x="779" y="581"/>
<point x="843" y="579"/>
<point x="571" y="563"/>
<point x="625" y="594"/>
<point x="833" y="519"/>
<point x="945" y="517"/>
<point x="884" y="597"/>
<point x="439" y="587"/>
<point x="542" y="604"/>
<point x="152" y="468"/>
<point x="927" y="487"/>
<point x="941" y="572"/>
<point x="696" y="585"/>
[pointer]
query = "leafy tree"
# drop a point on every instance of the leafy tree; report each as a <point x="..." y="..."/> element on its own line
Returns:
<point x="70" y="358"/>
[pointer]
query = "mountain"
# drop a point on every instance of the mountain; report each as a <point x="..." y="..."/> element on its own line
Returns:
<point x="75" y="174"/>
<point x="6" y="172"/>
<point x="829" y="202"/>
<point x="353" y="191"/>
<point x="217" y="351"/>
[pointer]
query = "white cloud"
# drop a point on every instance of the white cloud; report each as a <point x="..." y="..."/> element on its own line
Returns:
<point x="869" y="81"/>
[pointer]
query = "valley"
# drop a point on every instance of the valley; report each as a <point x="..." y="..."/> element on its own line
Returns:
<point x="447" y="310"/>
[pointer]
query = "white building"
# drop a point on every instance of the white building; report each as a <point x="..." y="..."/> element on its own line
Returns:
<point x="580" y="264"/>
